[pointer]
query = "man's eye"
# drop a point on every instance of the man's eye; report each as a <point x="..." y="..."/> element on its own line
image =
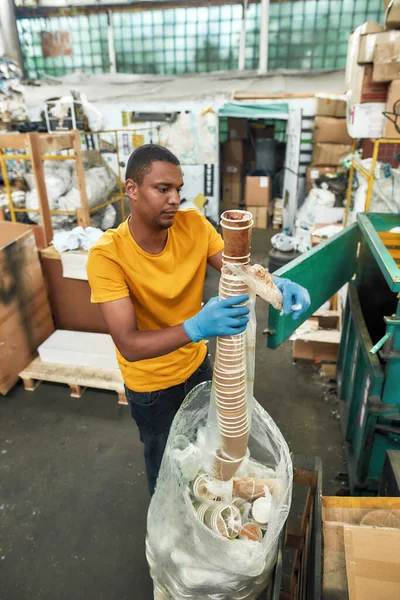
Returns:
<point x="162" y="190"/>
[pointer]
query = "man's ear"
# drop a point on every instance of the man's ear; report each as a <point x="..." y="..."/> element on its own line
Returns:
<point x="131" y="188"/>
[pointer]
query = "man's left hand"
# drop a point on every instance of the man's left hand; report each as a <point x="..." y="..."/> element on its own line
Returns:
<point x="293" y="295"/>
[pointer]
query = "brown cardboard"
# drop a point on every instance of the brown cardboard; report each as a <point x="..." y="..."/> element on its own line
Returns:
<point x="352" y="67"/>
<point x="366" y="48"/>
<point x="330" y="105"/>
<point x="260" y="216"/>
<point x="258" y="191"/>
<point x="392" y="16"/>
<point x="233" y="152"/>
<point x="25" y="317"/>
<point x="364" y="90"/>
<point x="237" y="128"/>
<point x="372" y="562"/>
<point x="392" y="124"/>
<point x="329" y="155"/>
<point x="331" y="130"/>
<point x="70" y="298"/>
<point x="314" y="173"/>
<point x="386" y="57"/>
<point x="232" y="186"/>
<point x="336" y="513"/>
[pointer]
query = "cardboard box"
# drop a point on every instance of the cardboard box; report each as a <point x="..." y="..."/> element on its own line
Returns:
<point x="232" y="193"/>
<point x="392" y="123"/>
<point x="258" y="191"/>
<point x="329" y="155"/>
<point x="318" y="338"/>
<point x="386" y="57"/>
<point x="330" y="105"/>
<point x="352" y="66"/>
<point x="79" y="315"/>
<point x="366" y="120"/>
<point x="366" y="48"/>
<point x="341" y="513"/>
<point x="314" y="173"/>
<point x="260" y="216"/>
<point x="25" y="315"/>
<point x="363" y="89"/>
<point x="237" y="128"/>
<point x="330" y="129"/>
<point x="392" y="16"/>
<point x="233" y="152"/>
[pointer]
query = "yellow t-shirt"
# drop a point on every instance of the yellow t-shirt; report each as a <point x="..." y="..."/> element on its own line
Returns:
<point x="166" y="289"/>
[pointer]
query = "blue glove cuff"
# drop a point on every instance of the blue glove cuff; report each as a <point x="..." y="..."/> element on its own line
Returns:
<point x="192" y="329"/>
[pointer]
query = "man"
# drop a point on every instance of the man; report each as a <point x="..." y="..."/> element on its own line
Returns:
<point x="147" y="277"/>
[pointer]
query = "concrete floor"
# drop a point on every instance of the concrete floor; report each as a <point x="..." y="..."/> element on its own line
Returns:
<point x="73" y="494"/>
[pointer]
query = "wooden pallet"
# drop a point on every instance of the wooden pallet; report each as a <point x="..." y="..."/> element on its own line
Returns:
<point x="78" y="378"/>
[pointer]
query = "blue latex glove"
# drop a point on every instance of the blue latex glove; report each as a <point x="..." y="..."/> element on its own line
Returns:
<point x="218" y="317"/>
<point x="293" y="294"/>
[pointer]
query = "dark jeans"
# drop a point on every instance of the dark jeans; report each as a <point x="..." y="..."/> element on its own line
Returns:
<point x="154" y="413"/>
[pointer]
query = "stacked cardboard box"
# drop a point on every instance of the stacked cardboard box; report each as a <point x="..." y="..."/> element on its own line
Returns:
<point x="258" y="197"/>
<point x="232" y="176"/>
<point x="331" y="140"/>
<point x="372" y="64"/>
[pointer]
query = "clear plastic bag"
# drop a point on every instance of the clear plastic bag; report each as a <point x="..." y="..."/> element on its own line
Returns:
<point x="187" y="559"/>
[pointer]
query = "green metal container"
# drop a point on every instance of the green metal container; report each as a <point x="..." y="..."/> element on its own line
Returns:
<point x="368" y="256"/>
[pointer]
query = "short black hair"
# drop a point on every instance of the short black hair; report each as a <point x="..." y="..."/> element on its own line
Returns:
<point x="142" y="158"/>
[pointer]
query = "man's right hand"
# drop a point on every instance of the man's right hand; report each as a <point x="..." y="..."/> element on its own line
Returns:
<point x="218" y="318"/>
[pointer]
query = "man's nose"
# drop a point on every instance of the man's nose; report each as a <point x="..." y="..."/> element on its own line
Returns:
<point x="174" y="198"/>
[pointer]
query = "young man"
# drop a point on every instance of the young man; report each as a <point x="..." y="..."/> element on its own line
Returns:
<point x="147" y="277"/>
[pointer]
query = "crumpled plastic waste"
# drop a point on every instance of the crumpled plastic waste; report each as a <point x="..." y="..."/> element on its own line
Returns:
<point x="76" y="239"/>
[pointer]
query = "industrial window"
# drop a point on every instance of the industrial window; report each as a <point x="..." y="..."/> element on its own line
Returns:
<point x="307" y="34"/>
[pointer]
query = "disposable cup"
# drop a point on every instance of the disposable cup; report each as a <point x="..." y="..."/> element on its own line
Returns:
<point x="233" y="285"/>
<point x="231" y="353"/>
<point x="230" y="345"/>
<point x="251" y="531"/>
<point x="202" y="510"/>
<point x="230" y="403"/>
<point x="237" y="358"/>
<point x="233" y="338"/>
<point x="232" y="411"/>
<point x="225" y="468"/>
<point x="221" y="374"/>
<point x="233" y="427"/>
<point x="230" y="366"/>
<point x="235" y="386"/>
<point x="228" y="420"/>
<point x="233" y="392"/>
<point x="225" y="520"/>
<point x="235" y="446"/>
<point x="228" y="387"/>
<point x="229" y="400"/>
<point x="238" y="399"/>
<point x="236" y="219"/>
<point x="200" y="490"/>
<point x="236" y="240"/>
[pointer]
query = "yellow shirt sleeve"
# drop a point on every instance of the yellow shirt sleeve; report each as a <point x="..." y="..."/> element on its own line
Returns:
<point x="215" y="241"/>
<point x="106" y="278"/>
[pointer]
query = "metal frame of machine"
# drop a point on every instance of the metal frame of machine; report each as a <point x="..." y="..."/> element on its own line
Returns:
<point x="368" y="255"/>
